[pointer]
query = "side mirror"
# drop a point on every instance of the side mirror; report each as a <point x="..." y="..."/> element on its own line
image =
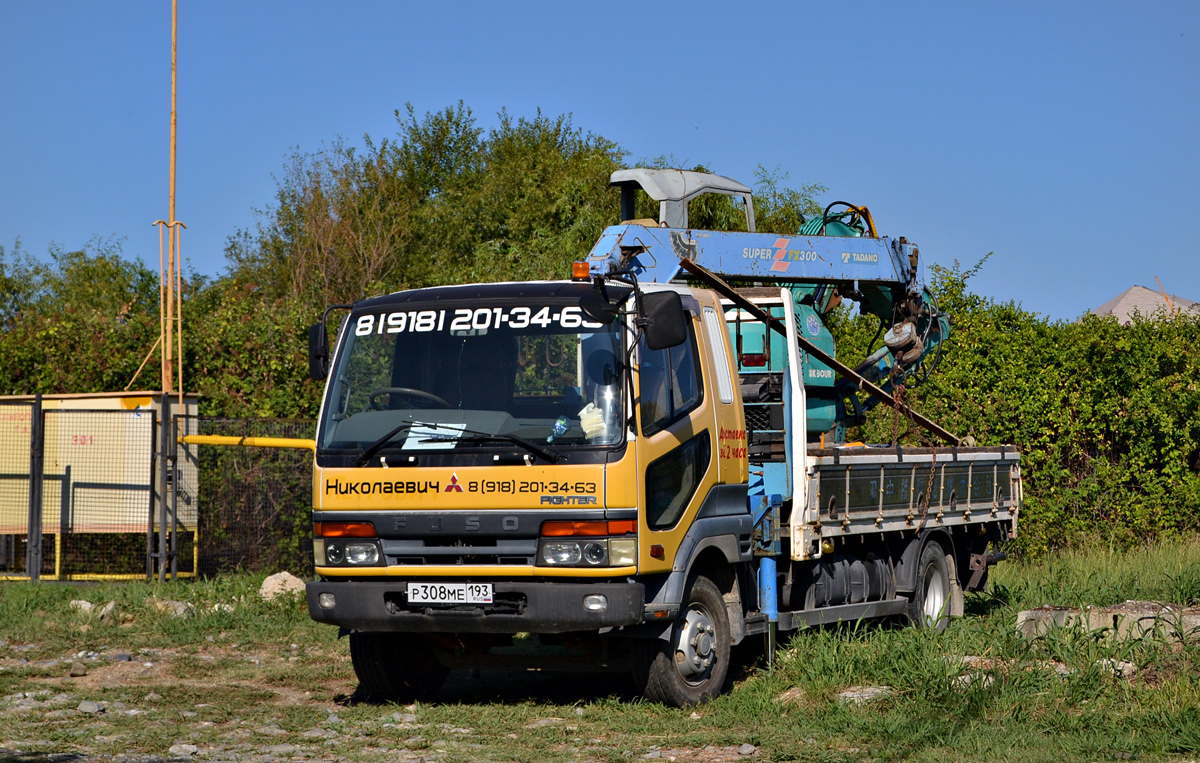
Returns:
<point x="666" y="324"/>
<point x="318" y="352"/>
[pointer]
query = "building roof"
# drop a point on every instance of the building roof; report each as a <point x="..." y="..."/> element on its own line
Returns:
<point x="1146" y="302"/>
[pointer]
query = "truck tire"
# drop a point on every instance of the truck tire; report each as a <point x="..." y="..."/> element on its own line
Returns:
<point x="395" y="667"/>
<point x="691" y="667"/>
<point x="931" y="603"/>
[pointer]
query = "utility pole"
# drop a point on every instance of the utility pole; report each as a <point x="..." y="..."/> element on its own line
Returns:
<point x="168" y="335"/>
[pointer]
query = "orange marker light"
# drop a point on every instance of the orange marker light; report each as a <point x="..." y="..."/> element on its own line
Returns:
<point x="611" y="527"/>
<point x="657" y="552"/>
<point x="343" y="529"/>
<point x="581" y="271"/>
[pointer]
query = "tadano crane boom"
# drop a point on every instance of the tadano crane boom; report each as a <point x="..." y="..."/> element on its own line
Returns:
<point x="879" y="273"/>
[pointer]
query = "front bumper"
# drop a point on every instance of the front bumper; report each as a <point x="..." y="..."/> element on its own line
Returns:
<point x="520" y="607"/>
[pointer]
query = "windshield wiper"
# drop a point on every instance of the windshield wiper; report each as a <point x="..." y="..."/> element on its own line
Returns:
<point x="374" y="447"/>
<point x="479" y="437"/>
<point x="476" y="437"/>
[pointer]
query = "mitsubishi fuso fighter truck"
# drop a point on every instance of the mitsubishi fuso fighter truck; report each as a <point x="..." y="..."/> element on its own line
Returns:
<point x="638" y="468"/>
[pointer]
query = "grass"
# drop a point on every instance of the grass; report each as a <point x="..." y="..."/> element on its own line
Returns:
<point x="244" y="676"/>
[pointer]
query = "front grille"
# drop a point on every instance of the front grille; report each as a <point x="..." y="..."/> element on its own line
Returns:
<point x="475" y="551"/>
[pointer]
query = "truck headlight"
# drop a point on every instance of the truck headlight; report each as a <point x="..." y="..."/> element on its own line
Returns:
<point x="334" y="553"/>
<point x="595" y="552"/>
<point x="561" y="553"/>
<point x="362" y="553"/>
<point x="622" y="552"/>
<point x="589" y="552"/>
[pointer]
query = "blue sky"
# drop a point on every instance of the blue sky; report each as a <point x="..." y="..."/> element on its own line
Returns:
<point x="1061" y="136"/>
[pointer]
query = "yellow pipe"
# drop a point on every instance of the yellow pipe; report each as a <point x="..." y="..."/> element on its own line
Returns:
<point x="250" y="442"/>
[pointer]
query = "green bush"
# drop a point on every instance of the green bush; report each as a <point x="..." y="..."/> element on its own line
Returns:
<point x="1107" y="416"/>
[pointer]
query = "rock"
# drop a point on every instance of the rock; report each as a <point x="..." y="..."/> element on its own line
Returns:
<point x="90" y="708"/>
<point x="857" y="695"/>
<point x="122" y="657"/>
<point x="653" y="754"/>
<point x="80" y="605"/>
<point x="1032" y="623"/>
<point x="695" y="716"/>
<point x="222" y="607"/>
<point x="967" y="680"/>
<point x="173" y="608"/>
<point x="1189" y="624"/>
<point x="746" y="749"/>
<point x="108" y="612"/>
<point x="281" y="584"/>
<point x="541" y="722"/>
<point x="579" y="711"/>
<point x="153" y="697"/>
<point x="1121" y="669"/>
<point x="1129" y="620"/>
<point x="183" y="749"/>
<point x="1055" y="667"/>
<point x="78" y="670"/>
<point x="281" y="749"/>
<point x="793" y="695"/>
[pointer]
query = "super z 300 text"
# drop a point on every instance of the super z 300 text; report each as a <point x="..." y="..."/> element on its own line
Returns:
<point x="466" y="320"/>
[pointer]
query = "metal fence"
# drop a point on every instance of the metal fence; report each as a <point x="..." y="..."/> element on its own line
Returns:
<point x="254" y="502"/>
<point x="111" y="494"/>
<point x="77" y="492"/>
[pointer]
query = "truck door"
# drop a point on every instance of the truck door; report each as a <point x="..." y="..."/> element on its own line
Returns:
<point x="675" y="448"/>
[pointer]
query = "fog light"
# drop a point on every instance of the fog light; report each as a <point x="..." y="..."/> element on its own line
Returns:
<point x="326" y="601"/>
<point x="622" y="551"/>
<point x="561" y="553"/>
<point x="595" y="602"/>
<point x="595" y="553"/>
<point x="362" y="553"/>
<point x="335" y="554"/>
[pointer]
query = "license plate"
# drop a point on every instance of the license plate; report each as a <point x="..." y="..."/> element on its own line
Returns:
<point x="449" y="593"/>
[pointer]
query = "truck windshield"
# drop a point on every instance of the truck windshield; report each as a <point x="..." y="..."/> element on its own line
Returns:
<point x="445" y="376"/>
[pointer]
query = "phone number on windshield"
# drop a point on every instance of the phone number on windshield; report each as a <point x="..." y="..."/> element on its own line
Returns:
<point x="469" y="322"/>
<point x="531" y="486"/>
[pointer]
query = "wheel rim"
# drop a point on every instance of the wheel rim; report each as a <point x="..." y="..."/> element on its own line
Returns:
<point x="934" y="600"/>
<point x="695" y="645"/>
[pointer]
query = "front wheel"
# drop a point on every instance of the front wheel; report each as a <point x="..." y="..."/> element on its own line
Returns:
<point x="691" y="667"/>
<point x="932" y="598"/>
<point x="395" y="667"/>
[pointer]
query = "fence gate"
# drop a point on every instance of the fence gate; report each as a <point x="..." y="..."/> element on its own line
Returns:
<point x="255" y="484"/>
<point x="87" y="494"/>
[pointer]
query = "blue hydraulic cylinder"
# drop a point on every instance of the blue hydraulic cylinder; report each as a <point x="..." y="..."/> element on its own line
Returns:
<point x="768" y="590"/>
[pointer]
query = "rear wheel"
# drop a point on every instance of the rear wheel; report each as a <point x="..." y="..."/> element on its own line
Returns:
<point x="395" y="667"/>
<point x="691" y="667"/>
<point x="932" y="598"/>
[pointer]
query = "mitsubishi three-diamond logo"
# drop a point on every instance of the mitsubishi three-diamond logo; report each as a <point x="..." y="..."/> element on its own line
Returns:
<point x="453" y="486"/>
